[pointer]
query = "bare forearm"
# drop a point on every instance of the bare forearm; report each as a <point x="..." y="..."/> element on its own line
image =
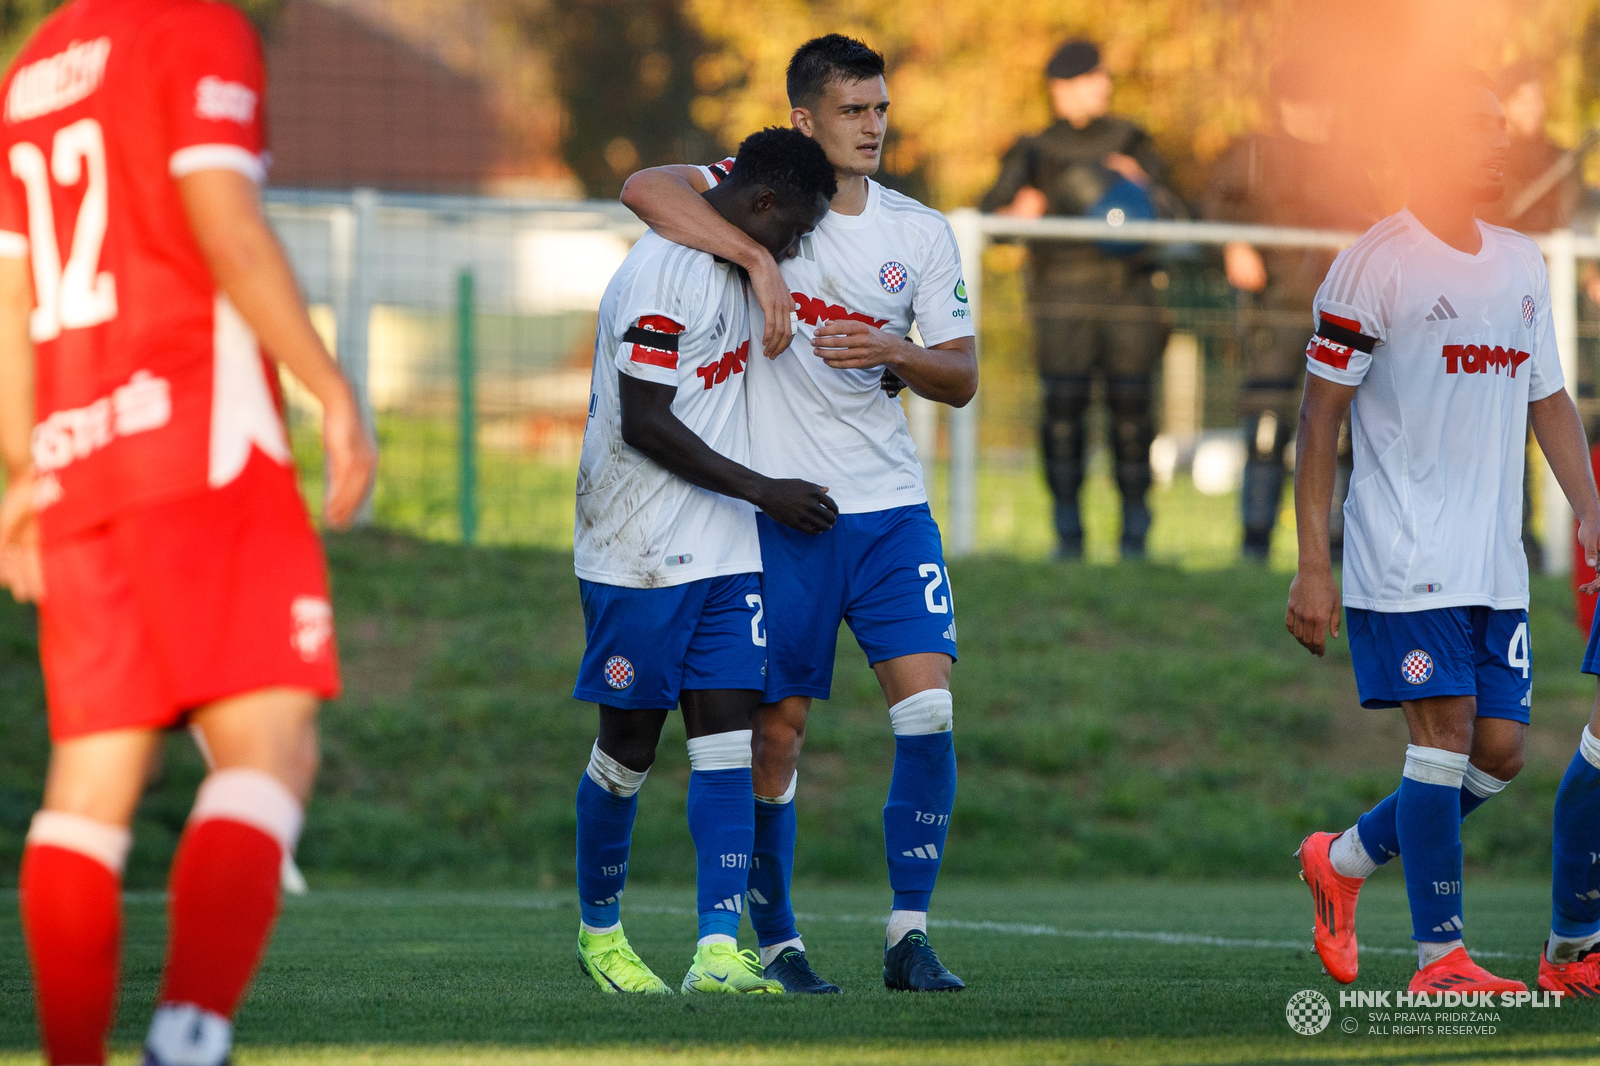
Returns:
<point x="946" y="373"/>
<point x="1559" y="431"/>
<point x="679" y="450"/>
<point x="16" y="368"/>
<point x="1315" y="463"/>
<point x="669" y="205"/>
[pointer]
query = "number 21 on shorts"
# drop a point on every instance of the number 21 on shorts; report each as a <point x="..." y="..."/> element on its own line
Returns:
<point x="937" y="576"/>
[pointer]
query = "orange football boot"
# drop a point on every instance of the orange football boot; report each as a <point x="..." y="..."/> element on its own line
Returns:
<point x="1456" y="972"/>
<point x="1580" y="979"/>
<point x="1333" y="897"/>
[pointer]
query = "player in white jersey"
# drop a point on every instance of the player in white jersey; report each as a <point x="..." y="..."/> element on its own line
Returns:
<point x="824" y="409"/>
<point x="1434" y="331"/>
<point x="669" y="564"/>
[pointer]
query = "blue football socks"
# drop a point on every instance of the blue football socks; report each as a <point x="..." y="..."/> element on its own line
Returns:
<point x="1380" y="834"/>
<point x="722" y="823"/>
<point x="607" y="802"/>
<point x="772" y="868"/>
<point x="1428" y="816"/>
<point x="1575" y="886"/>
<point x="922" y="793"/>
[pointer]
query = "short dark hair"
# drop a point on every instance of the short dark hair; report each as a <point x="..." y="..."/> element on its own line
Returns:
<point x="832" y="57"/>
<point x="787" y="162"/>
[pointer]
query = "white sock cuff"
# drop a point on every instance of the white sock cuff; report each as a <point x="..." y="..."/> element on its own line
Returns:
<point x="1436" y="766"/>
<point x="255" y="798"/>
<point x="721" y="751"/>
<point x="788" y="793"/>
<point x="1481" y="784"/>
<point x="1589" y="745"/>
<point x="103" y="842"/>
<point x="612" y="776"/>
<point x="929" y="711"/>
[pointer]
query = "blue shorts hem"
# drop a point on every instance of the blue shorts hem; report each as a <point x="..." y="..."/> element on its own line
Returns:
<point x="815" y="692"/>
<point x="921" y="649"/>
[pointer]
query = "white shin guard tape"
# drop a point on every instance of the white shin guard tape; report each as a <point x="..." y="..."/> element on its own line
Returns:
<point x="255" y="798"/>
<point x="788" y="793"/>
<point x="721" y="751"/>
<point x="929" y="711"/>
<point x="103" y="842"/>
<point x="1589" y="745"/>
<point x="612" y="776"/>
<point x="1435" y="766"/>
<point x="1481" y="784"/>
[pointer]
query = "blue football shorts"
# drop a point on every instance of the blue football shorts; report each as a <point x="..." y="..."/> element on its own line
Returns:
<point x="882" y="572"/>
<point x="1591" y="654"/>
<point x="645" y="646"/>
<point x="1451" y="651"/>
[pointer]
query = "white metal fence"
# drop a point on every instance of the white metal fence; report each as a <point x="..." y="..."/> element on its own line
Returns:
<point x="384" y="273"/>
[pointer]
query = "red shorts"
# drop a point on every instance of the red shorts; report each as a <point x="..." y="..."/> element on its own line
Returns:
<point x="169" y="607"/>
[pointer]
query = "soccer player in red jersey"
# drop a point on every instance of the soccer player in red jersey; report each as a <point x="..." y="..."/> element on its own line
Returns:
<point x="150" y="506"/>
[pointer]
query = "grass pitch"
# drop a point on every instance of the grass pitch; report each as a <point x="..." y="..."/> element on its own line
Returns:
<point x="1130" y="972"/>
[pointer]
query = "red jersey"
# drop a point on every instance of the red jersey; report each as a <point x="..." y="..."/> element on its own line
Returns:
<point x="150" y="385"/>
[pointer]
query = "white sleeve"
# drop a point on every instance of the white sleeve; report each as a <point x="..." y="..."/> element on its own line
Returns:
<point x="1544" y="369"/>
<point x="717" y="173"/>
<point x="1351" y="314"/>
<point x="940" y="303"/>
<point x="659" y="312"/>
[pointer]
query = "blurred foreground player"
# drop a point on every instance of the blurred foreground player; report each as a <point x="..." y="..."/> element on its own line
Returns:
<point x="1435" y="578"/>
<point x="669" y="563"/>
<point x="820" y="410"/>
<point x="1570" y="961"/>
<point x="153" y="514"/>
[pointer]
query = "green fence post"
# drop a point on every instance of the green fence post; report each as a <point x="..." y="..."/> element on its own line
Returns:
<point x="466" y="370"/>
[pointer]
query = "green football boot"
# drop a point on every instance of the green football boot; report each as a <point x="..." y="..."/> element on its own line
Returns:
<point x="608" y="959"/>
<point x="724" y="968"/>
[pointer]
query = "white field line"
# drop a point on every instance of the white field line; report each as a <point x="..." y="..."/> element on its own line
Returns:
<point x="1001" y="928"/>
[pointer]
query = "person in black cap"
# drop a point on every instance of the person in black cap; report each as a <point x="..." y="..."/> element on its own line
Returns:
<point x="1095" y="308"/>
<point x="1294" y="174"/>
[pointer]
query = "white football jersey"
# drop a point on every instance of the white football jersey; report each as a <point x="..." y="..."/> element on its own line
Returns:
<point x="1446" y="350"/>
<point x="676" y="317"/>
<point x="893" y="265"/>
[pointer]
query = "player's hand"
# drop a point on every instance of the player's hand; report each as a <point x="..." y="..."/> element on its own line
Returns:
<point x="1128" y="167"/>
<point x="1314" y="606"/>
<point x="798" y="504"/>
<point x="1589" y="540"/>
<point x="1244" y="266"/>
<point x="777" y="305"/>
<point x="892" y="384"/>
<point x="847" y="344"/>
<point x="21" y="570"/>
<point x="351" y="457"/>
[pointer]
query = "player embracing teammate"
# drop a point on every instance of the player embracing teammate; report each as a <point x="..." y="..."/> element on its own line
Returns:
<point x="150" y="508"/>
<point x="1434" y="332"/>
<point x="669" y="563"/>
<point x="822" y="409"/>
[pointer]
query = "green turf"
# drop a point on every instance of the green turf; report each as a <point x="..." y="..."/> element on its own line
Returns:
<point x="1110" y="720"/>
<point x="1075" y="962"/>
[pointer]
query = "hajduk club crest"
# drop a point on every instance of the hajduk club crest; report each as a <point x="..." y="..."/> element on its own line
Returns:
<point x="1416" y="667"/>
<point x="619" y="672"/>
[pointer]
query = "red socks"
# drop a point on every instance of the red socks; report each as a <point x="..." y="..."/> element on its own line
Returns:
<point x="222" y="901"/>
<point x="72" y="921"/>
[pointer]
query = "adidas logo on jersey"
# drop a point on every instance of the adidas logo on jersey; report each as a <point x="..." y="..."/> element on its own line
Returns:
<point x="926" y="852"/>
<point x="1478" y="358"/>
<point x="1442" y="311"/>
